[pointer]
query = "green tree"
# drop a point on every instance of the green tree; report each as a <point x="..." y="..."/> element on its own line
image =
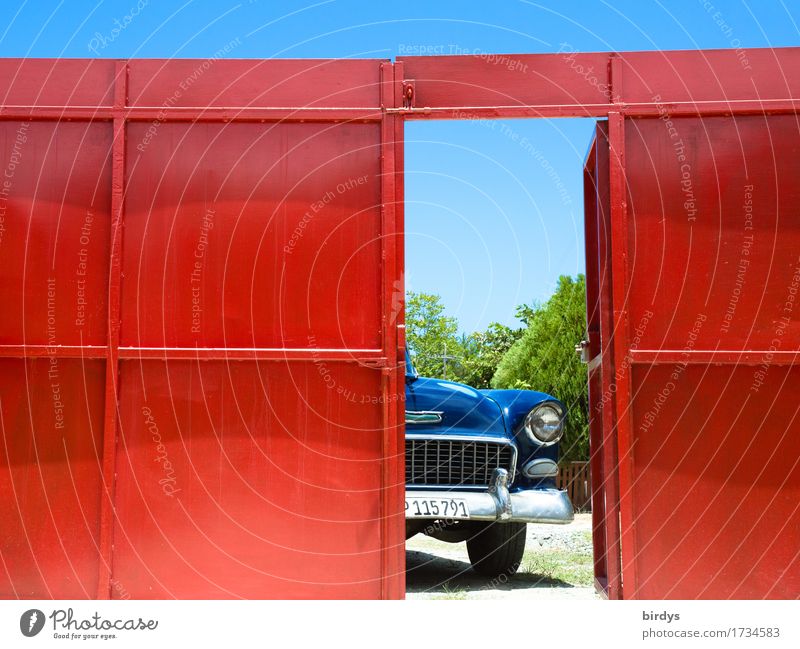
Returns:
<point x="432" y="336"/>
<point x="544" y="359"/>
<point x="483" y="351"/>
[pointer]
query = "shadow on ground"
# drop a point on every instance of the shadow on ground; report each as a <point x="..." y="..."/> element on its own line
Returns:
<point x="428" y="573"/>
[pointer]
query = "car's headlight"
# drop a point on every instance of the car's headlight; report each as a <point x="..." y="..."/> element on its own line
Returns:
<point x="545" y="423"/>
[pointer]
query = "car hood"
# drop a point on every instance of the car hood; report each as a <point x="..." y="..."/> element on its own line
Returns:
<point x="464" y="410"/>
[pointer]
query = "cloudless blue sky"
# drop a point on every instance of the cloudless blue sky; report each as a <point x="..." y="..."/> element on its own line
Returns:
<point x="493" y="212"/>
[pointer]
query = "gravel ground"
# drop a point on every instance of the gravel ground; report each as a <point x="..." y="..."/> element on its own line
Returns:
<point x="437" y="570"/>
<point x="575" y="537"/>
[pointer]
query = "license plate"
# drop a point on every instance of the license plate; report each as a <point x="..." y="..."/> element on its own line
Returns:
<point x="424" y="507"/>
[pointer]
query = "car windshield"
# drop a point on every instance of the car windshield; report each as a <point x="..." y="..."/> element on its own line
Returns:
<point x="410" y="371"/>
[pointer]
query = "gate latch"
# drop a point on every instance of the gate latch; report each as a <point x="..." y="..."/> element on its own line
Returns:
<point x="582" y="350"/>
<point x="408" y="94"/>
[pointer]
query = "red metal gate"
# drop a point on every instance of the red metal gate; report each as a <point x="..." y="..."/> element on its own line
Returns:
<point x="202" y="306"/>
<point x="199" y="389"/>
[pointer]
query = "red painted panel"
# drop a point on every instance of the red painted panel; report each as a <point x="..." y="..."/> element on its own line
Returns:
<point x="51" y="423"/>
<point x="716" y="491"/>
<point x="249" y="479"/>
<point x="56" y="82"/>
<point x="483" y="79"/>
<point x="712" y="504"/>
<point x="273" y="83"/>
<point x="248" y="235"/>
<point x="714" y="236"/>
<point x="712" y="75"/>
<point x="55" y="200"/>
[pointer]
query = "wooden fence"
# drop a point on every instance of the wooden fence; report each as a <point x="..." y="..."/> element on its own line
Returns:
<point x="576" y="478"/>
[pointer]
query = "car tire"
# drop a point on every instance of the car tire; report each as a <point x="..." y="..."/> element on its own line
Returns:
<point x="497" y="549"/>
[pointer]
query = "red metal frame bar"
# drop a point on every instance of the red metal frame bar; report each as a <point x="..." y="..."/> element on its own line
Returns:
<point x="366" y="356"/>
<point x="396" y="448"/>
<point x="375" y="357"/>
<point x="112" y="362"/>
<point x="675" y="109"/>
<point x="393" y="490"/>
<point x="60" y="351"/>
<point x="345" y="114"/>
<point x="619" y="283"/>
<point x="191" y="114"/>
<point x="716" y="356"/>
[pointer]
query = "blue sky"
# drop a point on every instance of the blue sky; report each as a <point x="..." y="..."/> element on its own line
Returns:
<point x="493" y="211"/>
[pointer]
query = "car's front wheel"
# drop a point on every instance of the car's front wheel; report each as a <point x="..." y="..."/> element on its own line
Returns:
<point x="497" y="549"/>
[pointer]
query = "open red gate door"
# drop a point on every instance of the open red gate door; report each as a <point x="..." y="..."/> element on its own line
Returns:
<point x="698" y="412"/>
<point x="599" y="354"/>
<point x="202" y="308"/>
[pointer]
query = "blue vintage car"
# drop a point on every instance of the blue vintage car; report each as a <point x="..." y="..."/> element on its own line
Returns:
<point x="480" y="464"/>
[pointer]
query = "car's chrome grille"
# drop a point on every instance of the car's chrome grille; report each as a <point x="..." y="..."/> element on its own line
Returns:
<point x="456" y="462"/>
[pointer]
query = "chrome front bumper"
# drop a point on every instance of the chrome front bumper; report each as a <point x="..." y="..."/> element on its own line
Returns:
<point x="498" y="504"/>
